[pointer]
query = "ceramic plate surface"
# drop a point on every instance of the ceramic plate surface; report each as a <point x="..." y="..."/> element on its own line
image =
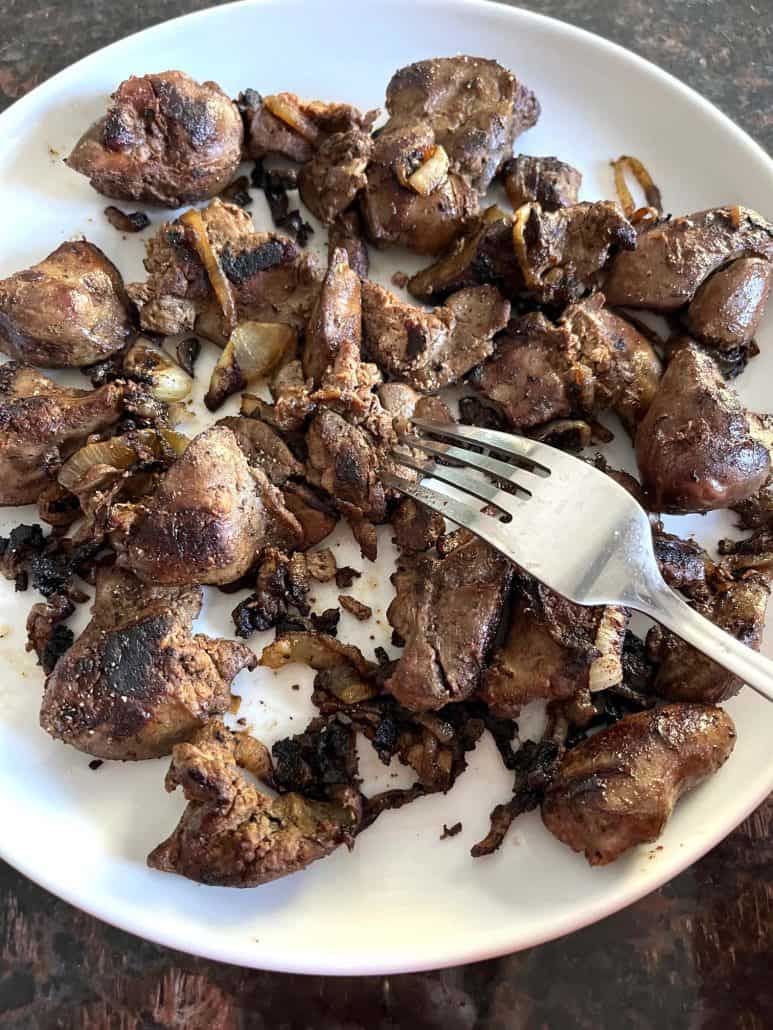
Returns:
<point x="403" y="899"/>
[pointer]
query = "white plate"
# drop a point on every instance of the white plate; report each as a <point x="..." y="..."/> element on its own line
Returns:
<point x="402" y="900"/>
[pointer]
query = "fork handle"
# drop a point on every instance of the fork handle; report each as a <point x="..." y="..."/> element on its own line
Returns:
<point x="668" y="608"/>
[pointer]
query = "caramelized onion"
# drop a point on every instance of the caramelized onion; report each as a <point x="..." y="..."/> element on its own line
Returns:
<point x="316" y="650"/>
<point x="607" y="670"/>
<point x="431" y="173"/>
<point x="148" y="363"/>
<point x="253" y="351"/>
<point x="644" y="179"/>
<point x="285" y="107"/>
<point x="120" y="453"/>
<point x="192" y="220"/>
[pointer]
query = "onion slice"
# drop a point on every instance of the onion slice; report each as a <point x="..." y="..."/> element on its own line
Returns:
<point x="120" y="453"/>
<point x="431" y="173"/>
<point x="607" y="670"/>
<point x="286" y="108"/>
<point x="644" y="179"/>
<point x="148" y="363"/>
<point x="192" y="220"/>
<point x="254" y="349"/>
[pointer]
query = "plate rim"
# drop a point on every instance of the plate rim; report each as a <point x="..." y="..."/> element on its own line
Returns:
<point x="236" y="952"/>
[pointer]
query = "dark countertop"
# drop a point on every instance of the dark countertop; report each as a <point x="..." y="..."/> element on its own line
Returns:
<point x="694" y="954"/>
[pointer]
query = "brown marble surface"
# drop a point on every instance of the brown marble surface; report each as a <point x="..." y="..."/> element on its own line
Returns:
<point x="695" y="954"/>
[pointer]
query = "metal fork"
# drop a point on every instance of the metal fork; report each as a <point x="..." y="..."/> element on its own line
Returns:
<point x="568" y="524"/>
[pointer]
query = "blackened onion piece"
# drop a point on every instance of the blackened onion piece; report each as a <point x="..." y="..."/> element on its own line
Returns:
<point x="238" y="192"/>
<point x="187" y="351"/>
<point x="134" y="221"/>
<point x="534" y="767"/>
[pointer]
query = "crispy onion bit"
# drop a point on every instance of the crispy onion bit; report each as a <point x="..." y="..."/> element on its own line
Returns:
<point x="431" y="173"/>
<point x="321" y="564"/>
<point x="317" y="650"/>
<point x="133" y="221"/>
<point x="644" y="179"/>
<point x="151" y="365"/>
<point x="435" y="277"/>
<point x="285" y="107"/>
<point x="120" y="453"/>
<point x="192" y="220"/>
<point x="253" y="351"/>
<point x="607" y="670"/>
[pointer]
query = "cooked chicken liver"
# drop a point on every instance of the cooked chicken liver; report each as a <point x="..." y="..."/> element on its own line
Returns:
<point x="619" y="787"/>
<point x="267" y="134"/>
<point x="270" y="278"/>
<point x="165" y="139"/>
<point x="553" y="649"/>
<point x="560" y="251"/>
<point x="474" y="106"/>
<point x="233" y="835"/>
<point x="67" y="311"/>
<point x="431" y="349"/>
<point x="203" y="524"/>
<point x="528" y="375"/>
<point x="673" y="258"/>
<point x="331" y="180"/>
<point x="728" y="306"/>
<point x="484" y="255"/>
<point x="546" y="180"/>
<point x="683" y="674"/>
<point x="447" y="611"/>
<point x="394" y="214"/>
<point x="42" y="423"/>
<point x="136" y="681"/>
<point x="695" y="447"/>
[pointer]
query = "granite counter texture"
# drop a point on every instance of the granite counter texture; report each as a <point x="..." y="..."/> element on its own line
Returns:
<point x="695" y="954"/>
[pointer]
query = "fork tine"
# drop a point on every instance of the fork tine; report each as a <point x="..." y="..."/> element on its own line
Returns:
<point x="482" y="462"/>
<point x="477" y="487"/>
<point x="506" y="443"/>
<point x="462" y="514"/>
